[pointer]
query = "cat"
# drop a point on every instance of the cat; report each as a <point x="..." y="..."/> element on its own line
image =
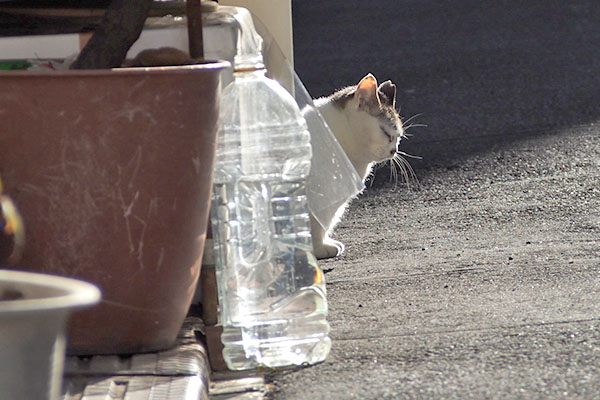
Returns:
<point x="364" y="120"/>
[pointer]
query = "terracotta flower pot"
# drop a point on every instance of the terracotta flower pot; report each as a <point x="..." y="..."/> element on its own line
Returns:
<point x="112" y="172"/>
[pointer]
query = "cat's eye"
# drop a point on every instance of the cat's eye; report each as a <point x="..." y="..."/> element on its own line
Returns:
<point x="385" y="132"/>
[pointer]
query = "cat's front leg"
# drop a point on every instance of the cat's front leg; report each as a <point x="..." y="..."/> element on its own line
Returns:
<point x="329" y="248"/>
<point x="323" y="246"/>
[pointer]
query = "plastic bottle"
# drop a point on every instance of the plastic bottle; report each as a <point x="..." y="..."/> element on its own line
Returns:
<point x="271" y="290"/>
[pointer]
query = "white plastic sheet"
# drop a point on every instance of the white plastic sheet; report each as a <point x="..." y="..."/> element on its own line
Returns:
<point x="332" y="179"/>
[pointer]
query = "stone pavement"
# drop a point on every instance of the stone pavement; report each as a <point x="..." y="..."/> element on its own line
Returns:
<point x="484" y="283"/>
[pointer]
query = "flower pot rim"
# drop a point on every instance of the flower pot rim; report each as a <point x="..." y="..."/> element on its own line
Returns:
<point x="205" y="65"/>
<point x="64" y="293"/>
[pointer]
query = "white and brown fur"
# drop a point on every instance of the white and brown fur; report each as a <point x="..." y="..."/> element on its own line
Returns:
<point x="364" y="120"/>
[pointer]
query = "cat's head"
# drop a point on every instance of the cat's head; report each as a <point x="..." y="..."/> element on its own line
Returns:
<point x="371" y="112"/>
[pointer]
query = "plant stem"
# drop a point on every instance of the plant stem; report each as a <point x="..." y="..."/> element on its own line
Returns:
<point x="194" y="18"/>
<point x="120" y="27"/>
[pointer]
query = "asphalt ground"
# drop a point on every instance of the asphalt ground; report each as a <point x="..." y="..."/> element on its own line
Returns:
<point x="484" y="281"/>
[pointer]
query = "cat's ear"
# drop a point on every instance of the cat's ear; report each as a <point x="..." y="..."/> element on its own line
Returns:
<point x="366" y="92"/>
<point x="389" y="91"/>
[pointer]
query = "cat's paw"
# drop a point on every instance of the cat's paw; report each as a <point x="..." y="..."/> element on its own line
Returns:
<point x="330" y="248"/>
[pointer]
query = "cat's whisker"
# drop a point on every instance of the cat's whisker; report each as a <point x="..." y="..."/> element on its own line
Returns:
<point x="408" y="173"/>
<point x="406" y="125"/>
<point x="400" y="162"/>
<point x="401" y="153"/>
<point x="402" y="172"/>
<point x="412" y="174"/>
<point x="393" y="172"/>
<point x="406" y="121"/>
<point x="415" y="126"/>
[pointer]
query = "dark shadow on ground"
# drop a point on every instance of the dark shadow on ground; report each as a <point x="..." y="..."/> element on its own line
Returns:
<point x="481" y="74"/>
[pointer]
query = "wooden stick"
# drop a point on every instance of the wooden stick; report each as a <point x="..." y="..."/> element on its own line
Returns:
<point x="120" y="27"/>
<point x="194" y="18"/>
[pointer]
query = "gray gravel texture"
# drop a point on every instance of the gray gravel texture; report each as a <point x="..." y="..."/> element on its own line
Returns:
<point x="484" y="281"/>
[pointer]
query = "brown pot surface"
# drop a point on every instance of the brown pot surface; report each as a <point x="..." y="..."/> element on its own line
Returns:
<point x="112" y="172"/>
